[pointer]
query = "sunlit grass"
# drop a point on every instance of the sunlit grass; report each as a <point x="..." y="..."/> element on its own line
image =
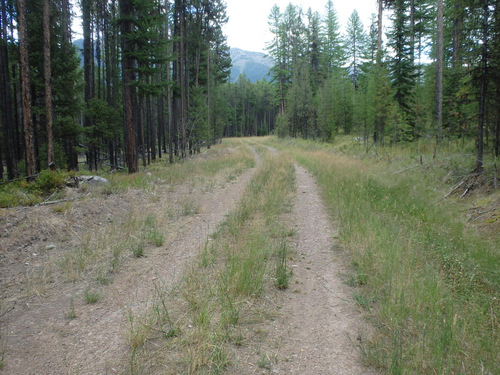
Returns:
<point x="228" y="159"/>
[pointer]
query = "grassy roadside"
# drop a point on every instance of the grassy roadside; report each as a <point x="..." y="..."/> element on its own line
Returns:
<point x="101" y="250"/>
<point x="94" y="253"/>
<point x="229" y="159"/>
<point x="201" y="325"/>
<point x="430" y="283"/>
<point x="88" y="251"/>
<point x="224" y="161"/>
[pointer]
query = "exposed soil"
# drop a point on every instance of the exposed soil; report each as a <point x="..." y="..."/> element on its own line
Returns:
<point x="319" y="328"/>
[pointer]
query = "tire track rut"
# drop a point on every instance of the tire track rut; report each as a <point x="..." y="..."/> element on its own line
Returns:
<point x="320" y="325"/>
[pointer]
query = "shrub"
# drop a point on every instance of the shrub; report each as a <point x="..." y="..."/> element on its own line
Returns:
<point x="48" y="181"/>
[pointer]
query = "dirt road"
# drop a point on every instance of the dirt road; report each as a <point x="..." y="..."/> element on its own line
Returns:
<point x="319" y="325"/>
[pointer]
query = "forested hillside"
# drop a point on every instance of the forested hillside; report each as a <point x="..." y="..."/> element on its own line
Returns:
<point x="155" y="77"/>
<point x="255" y="65"/>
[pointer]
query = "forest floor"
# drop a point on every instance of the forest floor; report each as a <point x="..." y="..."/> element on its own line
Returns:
<point x="63" y="313"/>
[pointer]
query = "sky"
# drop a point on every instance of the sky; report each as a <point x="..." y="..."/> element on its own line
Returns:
<point x="248" y="27"/>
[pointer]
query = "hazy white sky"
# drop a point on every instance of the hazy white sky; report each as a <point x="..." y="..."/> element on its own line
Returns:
<point x="248" y="29"/>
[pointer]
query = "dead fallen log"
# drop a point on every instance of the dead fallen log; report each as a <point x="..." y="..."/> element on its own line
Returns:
<point x="47" y="203"/>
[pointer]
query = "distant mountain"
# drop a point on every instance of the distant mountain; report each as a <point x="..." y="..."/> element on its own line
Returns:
<point x="255" y="65"/>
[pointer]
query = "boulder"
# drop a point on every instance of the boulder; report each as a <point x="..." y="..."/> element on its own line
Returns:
<point x="92" y="180"/>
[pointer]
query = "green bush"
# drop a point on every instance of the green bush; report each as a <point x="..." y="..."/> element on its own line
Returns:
<point x="48" y="181"/>
<point x="23" y="193"/>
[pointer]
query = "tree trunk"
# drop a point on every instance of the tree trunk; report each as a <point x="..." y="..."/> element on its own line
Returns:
<point x="379" y="26"/>
<point x="439" y="70"/>
<point x="114" y="72"/>
<point x="153" y="120"/>
<point x="457" y="27"/>
<point x="128" y="77"/>
<point x="169" y="99"/>
<point x="482" y="90"/>
<point x="69" y="142"/>
<point x="6" y="104"/>
<point x="208" y="100"/>
<point x="142" y="133"/>
<point x="26" y="92"/>
<point x="412" y="31"/>
<point x="182" y="76"/>
<point x="66" y="20"/>
<point x="88" y="61"/>
<point x="48" y="85"/>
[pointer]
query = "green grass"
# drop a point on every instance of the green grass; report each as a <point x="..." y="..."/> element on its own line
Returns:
<point x="430" y="282"/>
<point x="22" y="193"/>
<point x="138" y="250"/>
<point x="233" y="273"/>
<point x="91" y="297"/>
<point x="151" y="233"/>
<point x="283" y="274"/>
<point x="71" y="314"/>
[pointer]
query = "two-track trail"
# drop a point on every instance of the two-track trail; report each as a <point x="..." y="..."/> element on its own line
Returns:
<point x="317" y="328"/>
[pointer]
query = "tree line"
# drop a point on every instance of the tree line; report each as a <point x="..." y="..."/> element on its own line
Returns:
<point x="435" y="73"/>
<point x="149" y="83"/>
<point x="153" y="80"/>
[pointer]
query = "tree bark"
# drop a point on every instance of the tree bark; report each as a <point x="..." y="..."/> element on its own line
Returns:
<point x="379" y="26"/>
<point x="482" y="89"/>
<point x="6" y="103"/>
<point x="457" y="27"/>
<point x="128" y="76"/>
<point x="439" y="70"/>
<point x="169" y="98"/>
<point x="88" y="62"/>
<point x="26" y="92"/>
<point x="114" y="72"/>
<point x="48" y="85"/>
<point x="182" y="75"/>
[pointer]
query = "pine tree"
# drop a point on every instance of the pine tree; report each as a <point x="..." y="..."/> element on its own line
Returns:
<point x="333" y="54"/>
<point x="128" y="78"/>
<point x="495" y="69"/>
<point x="300" y="112"/>
<point x="47" y="72"/>
<point x="401" y="66"/>
<point x="88" y="68"/>
<point x="355" y="41"/>
<point x="314" y="47"/>
<point x="29" y="137"/>
<point x="6" y="104"/>
<point x="439" y="69"/>
<point x="277" y="49"/>
<point x="483" y="79"/>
